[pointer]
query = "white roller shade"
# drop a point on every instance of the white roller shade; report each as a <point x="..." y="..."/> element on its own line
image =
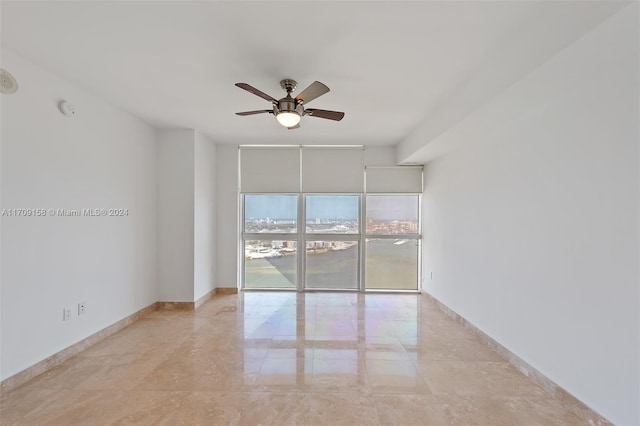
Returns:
<point x="333" y="170"/>
<point x="270" y="170"/>
<point x="400" y="179"/>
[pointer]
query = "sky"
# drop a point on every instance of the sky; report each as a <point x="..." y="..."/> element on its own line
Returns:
<point x="344" y="207"/>
<point x="271" y="206"/>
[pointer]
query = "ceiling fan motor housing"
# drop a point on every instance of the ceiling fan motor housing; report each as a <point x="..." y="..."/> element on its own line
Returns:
<point x="288" y="104"/>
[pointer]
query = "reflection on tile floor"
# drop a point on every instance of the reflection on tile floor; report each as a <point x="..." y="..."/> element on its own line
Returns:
<point x="288" y="358"/>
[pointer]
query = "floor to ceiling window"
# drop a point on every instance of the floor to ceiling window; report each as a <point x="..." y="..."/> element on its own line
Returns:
<point x="393" y="234"/>
<point x="392" y="242"/>
<point x="270" y="240"/>
<point x="305" y="224"/>
<point x="332" y="238"/>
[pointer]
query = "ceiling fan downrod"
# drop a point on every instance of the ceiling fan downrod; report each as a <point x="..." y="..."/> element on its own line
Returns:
<point x="288" y="85"/>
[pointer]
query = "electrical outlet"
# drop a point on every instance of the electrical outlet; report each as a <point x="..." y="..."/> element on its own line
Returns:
<point x="431" y="275"/>
<point x="66" y="314"/>
<point x="81" y="308"/>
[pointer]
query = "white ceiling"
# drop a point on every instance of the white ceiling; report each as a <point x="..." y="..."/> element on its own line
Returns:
<point x="390" y="65"/>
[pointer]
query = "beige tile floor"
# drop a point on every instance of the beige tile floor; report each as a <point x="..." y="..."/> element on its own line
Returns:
<point x="288" y="358"/>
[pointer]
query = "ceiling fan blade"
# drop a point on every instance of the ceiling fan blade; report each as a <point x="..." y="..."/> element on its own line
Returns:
<point x="262" y="111"/>
<point x="315" y="89"/>
<point x="256" y="92"/>
<point x="297" y="126"/>
<point x="323" y="113"/>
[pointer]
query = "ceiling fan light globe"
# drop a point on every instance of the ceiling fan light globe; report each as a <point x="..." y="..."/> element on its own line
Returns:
<point x="288" y="119"/>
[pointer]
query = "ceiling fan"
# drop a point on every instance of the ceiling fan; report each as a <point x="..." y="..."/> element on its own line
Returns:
<point x="288" y="110"/>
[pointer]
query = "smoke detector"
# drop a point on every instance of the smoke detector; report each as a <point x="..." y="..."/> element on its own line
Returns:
<point x="8" y="84"/>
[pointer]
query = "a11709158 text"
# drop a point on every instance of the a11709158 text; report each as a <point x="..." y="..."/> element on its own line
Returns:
<point x="57" y="212"/>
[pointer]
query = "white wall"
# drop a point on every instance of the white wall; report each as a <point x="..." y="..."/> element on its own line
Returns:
<point x="101" y="158"/>
<point x="186" y="215"/>
<point x="531" y="228"/>
<point x="503" y="65"/>
<point x="227" y="216"/>
<point x="175" y="186"/>
<point x="204" y="216"/>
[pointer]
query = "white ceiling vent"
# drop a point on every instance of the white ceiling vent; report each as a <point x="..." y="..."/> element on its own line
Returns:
<point x="8" y="83"/>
